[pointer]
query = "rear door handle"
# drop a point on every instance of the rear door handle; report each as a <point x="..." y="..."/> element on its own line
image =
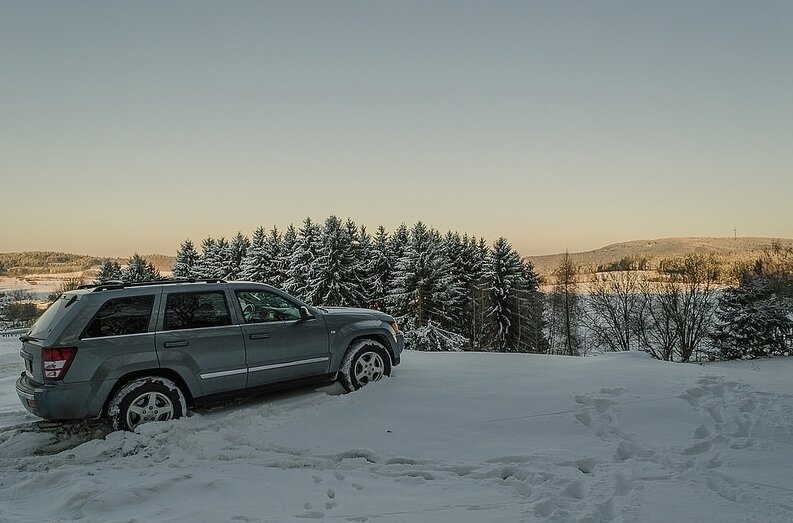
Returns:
<point x="259" y="335"/>
<point x="180" y="343"/>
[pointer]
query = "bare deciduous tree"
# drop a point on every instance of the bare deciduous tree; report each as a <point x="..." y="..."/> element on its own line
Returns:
<point x="565" y="310"/>
<point x="676" y="315"/>
<point x="612" y="307"/>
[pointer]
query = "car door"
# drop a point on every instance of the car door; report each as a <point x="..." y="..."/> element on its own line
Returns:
<point x="197" y="334"/>
<point x="280" y="346"/>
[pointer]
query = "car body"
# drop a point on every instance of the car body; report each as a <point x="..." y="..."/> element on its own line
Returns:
<point x="207" y="338"/>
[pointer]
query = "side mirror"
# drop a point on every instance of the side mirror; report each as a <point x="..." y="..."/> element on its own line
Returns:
<point x="305" y="315"/>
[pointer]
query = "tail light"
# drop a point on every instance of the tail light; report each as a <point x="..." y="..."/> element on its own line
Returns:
<point x="56" y="361"/>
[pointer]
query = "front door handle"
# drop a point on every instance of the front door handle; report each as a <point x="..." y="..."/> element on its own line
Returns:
<point x="259" y="335"/>
<point x="172" y="344"/>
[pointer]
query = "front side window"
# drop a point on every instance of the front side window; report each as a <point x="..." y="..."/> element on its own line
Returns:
<point x="196" y="310"/>
<point x="263" y="306"/>
<point x="121" y="316"/>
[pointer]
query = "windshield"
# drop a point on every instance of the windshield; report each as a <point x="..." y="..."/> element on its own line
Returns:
<point x="52" y="316"/>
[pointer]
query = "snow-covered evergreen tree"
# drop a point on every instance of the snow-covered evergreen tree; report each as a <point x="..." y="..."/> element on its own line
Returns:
<point x="333" y="279"/>
<point x="301" y="266"/>
<point x="378" y="269"/>
<point x="754" y="320"/>
<point x="109" y="271"/>
<point x="138" y="269"/>
<point x="284" y="260"/>
<point x="237" y="249"/>
<point x="506" y="284"/>
<point x="255" y="265"/>
<point x="473" y="260"/>
<point x="423" y="285"/>
<point x="211" y="263"/>
<point x="272" y="251"/>
<point x="186" y="258"/>
<point x="362" y="253"/>
<point x="453" y="250"/>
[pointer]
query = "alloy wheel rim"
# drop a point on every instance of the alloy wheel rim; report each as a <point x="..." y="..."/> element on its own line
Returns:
<point x="369" y="367"/>
<point x="149" y="406"/>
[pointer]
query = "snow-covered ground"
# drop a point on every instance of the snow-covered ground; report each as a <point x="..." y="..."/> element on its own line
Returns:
<point x="450" y="437"/>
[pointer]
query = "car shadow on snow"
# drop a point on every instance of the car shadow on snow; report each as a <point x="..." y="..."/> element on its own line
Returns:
<point x="290" y="396"/>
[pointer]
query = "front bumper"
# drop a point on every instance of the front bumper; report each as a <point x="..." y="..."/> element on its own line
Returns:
<point x="399" y="346"/>
<point x="63" y="401"/>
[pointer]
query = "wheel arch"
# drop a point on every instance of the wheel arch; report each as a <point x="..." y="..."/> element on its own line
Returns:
<point x="379" y="337"/>
<point x="158" y="372"/>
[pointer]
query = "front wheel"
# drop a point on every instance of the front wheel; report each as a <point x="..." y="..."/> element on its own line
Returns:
<point x="365" y="361"/>
<point x="151" y="398"/>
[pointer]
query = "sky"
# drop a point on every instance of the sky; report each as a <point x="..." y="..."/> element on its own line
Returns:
<point x="132" y="126"/>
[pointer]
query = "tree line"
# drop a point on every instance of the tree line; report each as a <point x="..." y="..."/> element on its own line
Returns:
<point x="449" y="292"/>
<point x="455" y="292"/>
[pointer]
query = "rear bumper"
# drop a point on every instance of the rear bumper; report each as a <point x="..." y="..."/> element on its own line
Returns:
<point x="63" y="401"/>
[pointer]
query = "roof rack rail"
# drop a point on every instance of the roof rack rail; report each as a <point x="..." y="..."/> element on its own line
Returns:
<point x="116" y="284"/>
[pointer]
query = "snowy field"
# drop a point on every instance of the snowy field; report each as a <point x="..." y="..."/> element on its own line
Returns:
<point x="449" y="438"/>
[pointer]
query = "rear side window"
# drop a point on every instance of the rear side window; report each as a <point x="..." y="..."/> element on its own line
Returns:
<point x="196" y="310"/>
<point x="121" y="316"/>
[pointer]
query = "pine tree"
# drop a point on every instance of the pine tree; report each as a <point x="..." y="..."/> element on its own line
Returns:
<point x="334" y="280"/>
<point x="211" y="262"/>
<point x="110" y="271"/>
<point x="507" y="287"/>
<point x="422" y="287"/>
<point x="302" y="261"/>
<point x="272" y="252"/>
<point x="459" y="278"/>
<point x="138" y="269"/>
<point x="754" y="320"/>
<point x="237" y="250"/>
<point x="362" y="254"/>
<point x="378" y="270"/>
<point x="533" y="308"/>
<point x="255" y="265"/>
<point x="186" y="258"/>
<point x="284" y="261"/>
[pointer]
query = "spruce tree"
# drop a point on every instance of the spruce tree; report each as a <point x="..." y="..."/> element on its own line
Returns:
<point x="138" y="269"/>
<point x="109" y="271"/>
<point x="301" y="263"/>
<point x="255" y="265"/>
<point x="378" y="270"/>
<point x="211" y="262"/>
<point x="506" y="284"/>
<point x="237" y="250"/>
<point x="754" y="320"/>
<point x="333" y="278"/>
<point x="186" y="258"/>
<point x="272" y="252"/>
<point x="284" y="261"/>
<point x="422" y="288"/>
<point x="362" y="253"/>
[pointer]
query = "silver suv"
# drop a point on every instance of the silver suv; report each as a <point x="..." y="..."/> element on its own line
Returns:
<point x="145" y="352"/>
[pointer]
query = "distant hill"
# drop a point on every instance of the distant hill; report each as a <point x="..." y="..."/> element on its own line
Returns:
<point x="651" y="252"/>
<point x="46" y="262"/>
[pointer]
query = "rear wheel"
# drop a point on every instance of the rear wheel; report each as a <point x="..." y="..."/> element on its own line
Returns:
<point x="151" y="398"/>
<point x="365" y="361"/>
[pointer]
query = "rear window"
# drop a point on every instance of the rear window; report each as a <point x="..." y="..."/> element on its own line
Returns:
<point x="196" y="310"/>
<point x="121" y="316"/>
<point x="53" y="315"/>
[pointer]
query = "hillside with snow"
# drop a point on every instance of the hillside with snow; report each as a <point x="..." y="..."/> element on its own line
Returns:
<point x="449" y="437"/>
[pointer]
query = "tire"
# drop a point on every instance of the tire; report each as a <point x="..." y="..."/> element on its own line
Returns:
<point x="365" y="361"/>
<point x="150" y="398"/>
